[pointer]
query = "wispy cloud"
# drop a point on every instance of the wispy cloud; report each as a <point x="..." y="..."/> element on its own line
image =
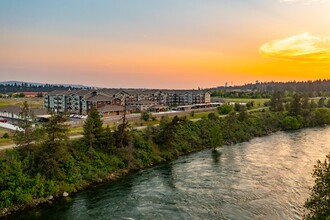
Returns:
<point x="304" y="47"/>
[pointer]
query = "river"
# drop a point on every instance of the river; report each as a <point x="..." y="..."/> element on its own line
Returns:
<point x="266" y="178"/>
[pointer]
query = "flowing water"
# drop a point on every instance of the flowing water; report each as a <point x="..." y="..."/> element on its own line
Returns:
<point x="266" y="178"/>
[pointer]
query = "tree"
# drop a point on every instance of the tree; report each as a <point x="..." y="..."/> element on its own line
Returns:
<point x="215" y="136"/>
<point x="243" y="114"/>
<point x="321" y="102"/>
<point x="225" y="109"/>
<point x="56" y="130"/>
<point x="290" y="123"/>
<point x="93" y="130"/>
<point x="305" y="102"/>
<point x="25" y="135"/>
<point x="276" y="102"/>
<point x="319" y="202"/>
<point x="109" y="141"/>
<point x="145" y="115"/>
<point x="295" y="105"/>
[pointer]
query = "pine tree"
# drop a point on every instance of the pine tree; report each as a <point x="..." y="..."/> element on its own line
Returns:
<point x="25" y="135"/>
<point x="56" y="130"/>
<point x="295" y="105"/>
<point x="319" y="202"/>
<point x="93" y="130"/>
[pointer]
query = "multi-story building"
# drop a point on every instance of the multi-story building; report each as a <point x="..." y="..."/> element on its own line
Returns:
<point x="81" y="101"/>
<point x="187" y="97"/>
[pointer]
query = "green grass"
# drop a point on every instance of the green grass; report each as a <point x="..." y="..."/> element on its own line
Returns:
<point x="75" y="131"/>
<point x="257" y="102"/>
<point x="6" y="141"/>
<point x="199" y="115"/>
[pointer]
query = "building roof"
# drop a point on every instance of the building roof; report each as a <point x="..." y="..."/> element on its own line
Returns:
<point x="141" y="102"/>
<point x="16" y="110"/>
<point x="157" y="106"/>
<point x="82" y="92"/>
<point x="142" y="92"/>
<point x="60" y="92"/>
<point x="112" y="92"/>
<point x="111" y="108"/>
<point x="100" y="97"/>
<point x="11" y="109"/>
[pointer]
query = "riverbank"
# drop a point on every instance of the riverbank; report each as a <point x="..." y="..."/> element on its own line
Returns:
<point x="246" y="181"/>
<point x="45" y="170"/>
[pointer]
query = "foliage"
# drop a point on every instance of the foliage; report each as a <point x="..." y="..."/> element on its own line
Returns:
<point x="54" y="164"/>
<point x="225" y="109"/>
<point x="93" y="131"/>
<point x="25" y="135"/>
<point x="56" y="130"/>
<point x="319" y="202"/>
<point x="146" y="116"/>
<point x="290" y="123"/>
<point x="276" y="102"/>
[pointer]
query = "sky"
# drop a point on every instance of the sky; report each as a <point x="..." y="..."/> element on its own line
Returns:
<point x="164" y="44"/>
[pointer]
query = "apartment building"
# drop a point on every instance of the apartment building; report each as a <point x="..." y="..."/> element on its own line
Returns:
<point x="81" y="101"/>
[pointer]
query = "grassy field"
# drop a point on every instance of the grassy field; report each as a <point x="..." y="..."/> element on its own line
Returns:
<point x="257" y="102"/>
<point x="33" y="102"/>
<point x="6" y="141"/>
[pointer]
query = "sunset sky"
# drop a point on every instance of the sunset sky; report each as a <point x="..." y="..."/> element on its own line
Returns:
<point x="164" y="43"/>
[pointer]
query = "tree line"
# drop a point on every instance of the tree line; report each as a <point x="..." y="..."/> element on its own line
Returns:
<point x="47" y="163"/>
<point x="312" y="88"/>
<point x="26" y="87"/>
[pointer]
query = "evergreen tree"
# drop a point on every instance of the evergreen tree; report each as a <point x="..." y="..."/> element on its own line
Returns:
<point x="319" y="202"/>
<point x="295" y="105"/>
<point x="93" y="131"/>
<point x="215" y="136"/>
<point x="25" y="135"/>
<point x="321" y="102"/>
<point x="305" y="102"/>
<point x="109" y="141"/>
<point x="56" y="130"/>
<point x="276" y="102"/>
<point x="243" y="114"/>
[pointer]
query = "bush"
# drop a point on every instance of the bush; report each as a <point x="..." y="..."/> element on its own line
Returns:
<point x="225" y="109"/>
<point x="5" y="135"/>
<point x="290" y="123"/>
<point x="146" y="116"/>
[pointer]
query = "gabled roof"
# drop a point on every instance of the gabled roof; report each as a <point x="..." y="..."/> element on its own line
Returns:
<point x="82" y="92"/>
<point x="111" y="108"/>
<point x="60" y="92"/>
<point x="100" y="97"/>
<point x="11" y="109"/>
<point x="17" y="109"/>
<point x="141" y="102"/>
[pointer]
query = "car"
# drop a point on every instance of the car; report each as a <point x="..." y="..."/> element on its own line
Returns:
<point x="3" y="120"/>
<point x="83" y="116"/>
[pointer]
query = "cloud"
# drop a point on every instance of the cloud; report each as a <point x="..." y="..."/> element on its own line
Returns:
<point x="304" y="48"/>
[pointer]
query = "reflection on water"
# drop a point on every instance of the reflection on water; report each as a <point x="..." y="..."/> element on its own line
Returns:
<point x="267" y="178"/>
